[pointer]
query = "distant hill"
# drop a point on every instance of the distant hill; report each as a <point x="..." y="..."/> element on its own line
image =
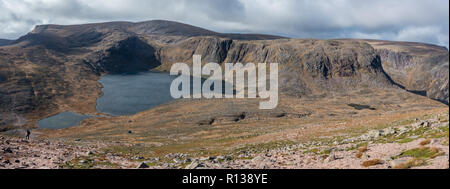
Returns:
<point x="154" y="27"/>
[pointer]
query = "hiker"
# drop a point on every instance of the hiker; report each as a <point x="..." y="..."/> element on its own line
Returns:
<point x="28" y="134"/>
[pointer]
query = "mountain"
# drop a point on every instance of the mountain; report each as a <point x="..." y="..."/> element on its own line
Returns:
<point x="55" y="68"/>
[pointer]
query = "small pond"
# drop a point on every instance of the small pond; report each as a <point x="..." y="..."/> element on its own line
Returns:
<point x="62" y="120"/>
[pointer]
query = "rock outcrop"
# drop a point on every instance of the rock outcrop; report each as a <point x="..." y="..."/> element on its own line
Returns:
<point x="306" y="66"/>
<point x="420" y="68"/>
<point x="4" y="42"/>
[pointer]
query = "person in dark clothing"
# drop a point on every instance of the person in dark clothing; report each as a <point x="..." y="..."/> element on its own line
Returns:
<point x="28" y="134"/>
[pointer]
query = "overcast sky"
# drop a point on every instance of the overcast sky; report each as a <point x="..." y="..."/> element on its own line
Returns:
<point x="401" y="20"/>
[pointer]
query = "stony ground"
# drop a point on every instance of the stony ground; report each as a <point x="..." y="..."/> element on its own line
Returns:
<point x="423" y="144"/>
<point x="17" y="153"/>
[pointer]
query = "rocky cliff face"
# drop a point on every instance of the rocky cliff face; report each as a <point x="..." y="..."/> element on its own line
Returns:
<point x="130" y="55"/>
<point x="55" y="68"/>
<point x="306" y="66"/>
<point x="419" y="68"/>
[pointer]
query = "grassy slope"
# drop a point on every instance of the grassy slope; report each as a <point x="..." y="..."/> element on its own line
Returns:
<point x="184" y="126"/>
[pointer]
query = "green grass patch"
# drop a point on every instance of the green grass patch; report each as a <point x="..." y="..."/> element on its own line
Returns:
<point x="312" y="151"/>
<point x="421" y="153"/>
<point x="406" y="140"/>
<point x="88" y="163"/>
<point x="129" y="151"/>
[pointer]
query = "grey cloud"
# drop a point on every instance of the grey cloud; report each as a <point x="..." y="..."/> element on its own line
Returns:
<point x="405" y="20"/>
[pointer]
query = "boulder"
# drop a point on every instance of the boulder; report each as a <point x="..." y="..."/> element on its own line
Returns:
<point x="142" y="165"/>
<point x="7" y="150"/>
<point x="187" y="160"/>
<point x="388" y="131"/>
<point x="396" y="163"/>
<point x="374" y="134"/>
<point x="330" y="158"/>
<point x="177" y="160"/>
<point x="258" y="158"/>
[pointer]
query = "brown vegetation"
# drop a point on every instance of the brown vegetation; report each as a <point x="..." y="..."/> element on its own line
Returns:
<point x="372" y="162"/>
<point x="425" y="142"/>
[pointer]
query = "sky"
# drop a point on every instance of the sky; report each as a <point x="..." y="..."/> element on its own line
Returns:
<point x="400" y="20"/>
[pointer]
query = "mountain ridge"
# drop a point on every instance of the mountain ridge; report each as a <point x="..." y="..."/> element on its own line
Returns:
<point x="155" y="27"/>
<point x="56" y="67"/>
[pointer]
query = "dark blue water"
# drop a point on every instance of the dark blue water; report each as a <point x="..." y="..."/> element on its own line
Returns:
<point x="130" y="94"/>
<point x="62" y="120"/>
